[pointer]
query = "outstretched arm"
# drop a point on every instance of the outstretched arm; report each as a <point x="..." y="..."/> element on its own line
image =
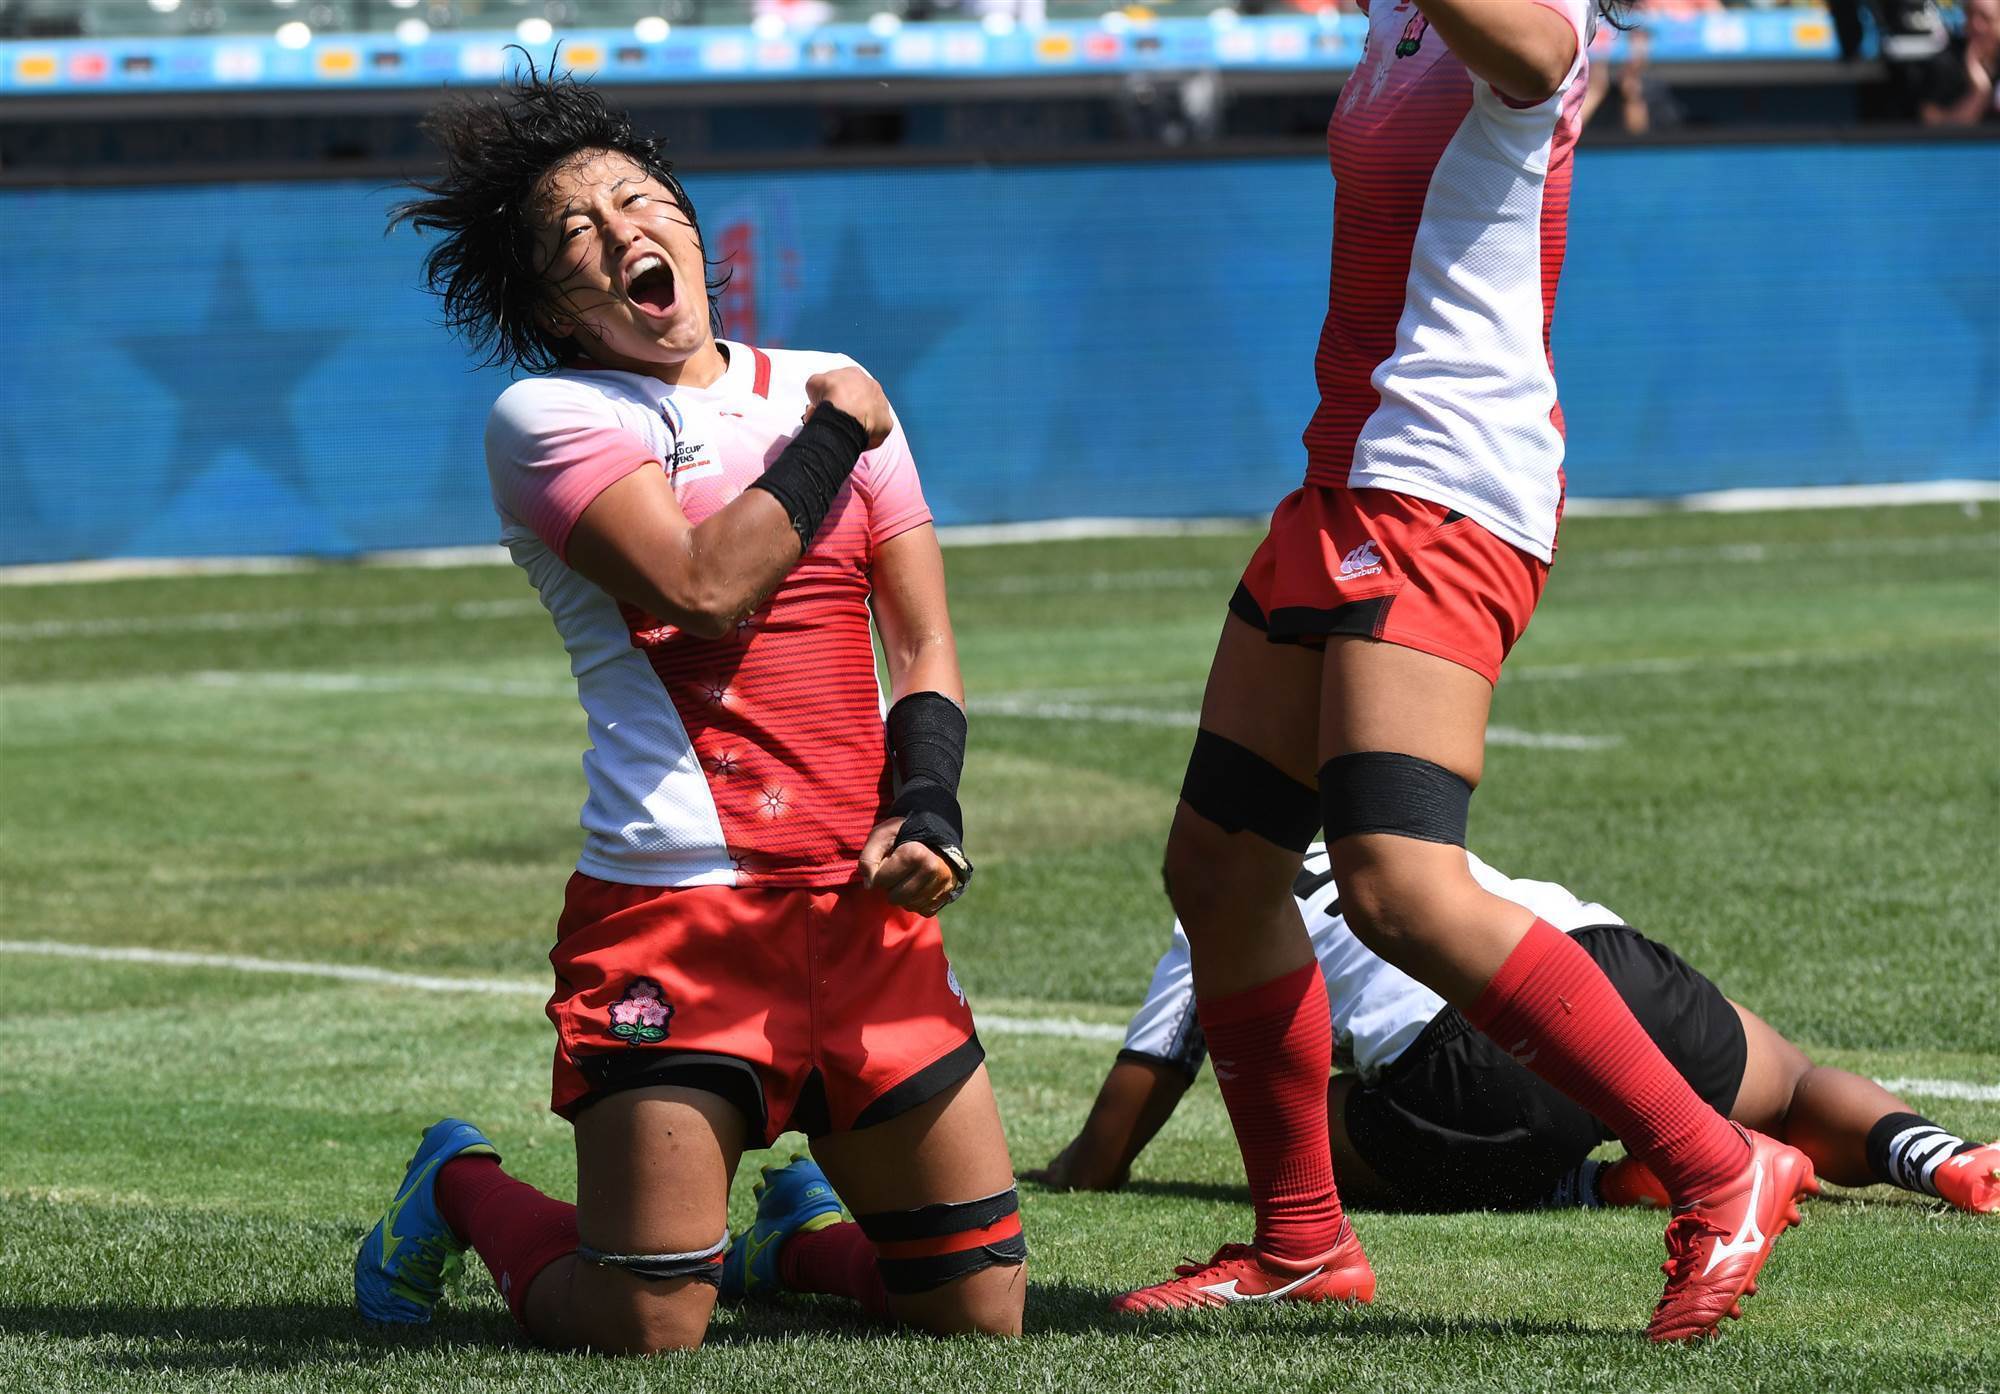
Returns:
<point x="1525" y="49"/>
<point x="1137" y="1098"/>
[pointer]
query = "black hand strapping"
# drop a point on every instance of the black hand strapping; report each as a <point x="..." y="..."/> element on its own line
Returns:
<point x="926" y="755"/>
<point x="810" y="471"/>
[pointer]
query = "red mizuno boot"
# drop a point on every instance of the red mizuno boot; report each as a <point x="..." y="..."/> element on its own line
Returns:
<point x="1971" y="1180"/>
<point x="1716" y="1245"/>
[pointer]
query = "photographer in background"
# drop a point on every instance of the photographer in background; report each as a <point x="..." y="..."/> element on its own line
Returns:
<point x="1956" y="87"/>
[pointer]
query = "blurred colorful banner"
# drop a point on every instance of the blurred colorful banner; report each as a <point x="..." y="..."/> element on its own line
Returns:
<point x="251" y="368"/>
<point x="1115" y="43"/>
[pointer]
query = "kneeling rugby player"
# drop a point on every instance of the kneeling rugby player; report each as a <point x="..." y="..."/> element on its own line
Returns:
<point x="749" y="944"/>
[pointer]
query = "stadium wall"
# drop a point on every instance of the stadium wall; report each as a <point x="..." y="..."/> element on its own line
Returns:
<point x="236" y="369"/>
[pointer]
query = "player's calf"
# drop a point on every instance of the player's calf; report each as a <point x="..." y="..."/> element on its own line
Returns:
<point x="954" y="1267"/>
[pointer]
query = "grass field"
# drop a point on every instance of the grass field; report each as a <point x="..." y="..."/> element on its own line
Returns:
<point x="1771" y="740"/>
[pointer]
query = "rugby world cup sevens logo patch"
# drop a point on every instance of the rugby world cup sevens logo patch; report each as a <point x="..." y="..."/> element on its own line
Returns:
<point x="642" y="1015"/>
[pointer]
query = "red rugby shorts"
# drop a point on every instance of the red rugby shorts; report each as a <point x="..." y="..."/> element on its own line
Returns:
<point x="1388" y="566"/>
<point x="820" y="1010"/>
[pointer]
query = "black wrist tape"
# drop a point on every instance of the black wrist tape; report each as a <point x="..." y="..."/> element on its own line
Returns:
<point x="810" y="471"/>
<point x="926" y="755"/>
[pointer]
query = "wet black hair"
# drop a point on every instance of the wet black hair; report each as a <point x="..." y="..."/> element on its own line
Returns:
<point x="488" y="269"/>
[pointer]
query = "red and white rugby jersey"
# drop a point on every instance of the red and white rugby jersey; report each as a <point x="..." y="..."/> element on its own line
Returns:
<point x="1451" y="211"/>
<point x="755" y="759"/>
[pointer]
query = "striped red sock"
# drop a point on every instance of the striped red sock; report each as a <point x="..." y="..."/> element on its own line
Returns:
<point x="1551" y="1007"/>
<point x="1272" y="1046"/>
<point x="838" y="1260"/>
<point x="514" y="1227"/>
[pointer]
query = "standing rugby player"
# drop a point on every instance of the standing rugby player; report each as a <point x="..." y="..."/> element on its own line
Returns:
<point x="1355" y="672"/>
<point x="748" y="944"/>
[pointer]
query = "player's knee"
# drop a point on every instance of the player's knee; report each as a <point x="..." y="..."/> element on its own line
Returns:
<point x="1217" y="879"/>
<point x="644" y="1304"/>
<point x="1397" y="905"/>
<point x="1390" y="819"/>
<point x="637" y="1322"/>
<point x="987" y="1303"/>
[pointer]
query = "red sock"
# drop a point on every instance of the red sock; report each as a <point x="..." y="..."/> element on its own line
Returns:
<point x="1551" y="1007"/>
<point x="1273" y="1049"/>
<point x="838" y="1260"/>
<point x="514" y="1227"/>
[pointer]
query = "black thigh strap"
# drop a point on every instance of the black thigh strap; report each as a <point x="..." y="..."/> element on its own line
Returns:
<point x="1238" y="790"/>
<point x="1382" y="791"/>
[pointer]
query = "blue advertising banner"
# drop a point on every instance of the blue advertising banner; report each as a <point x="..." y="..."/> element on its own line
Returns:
<point x="252" y="369"/>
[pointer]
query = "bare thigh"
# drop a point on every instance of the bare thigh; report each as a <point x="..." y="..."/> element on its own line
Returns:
<point x="950" y="1149"/>
<point x="1415" y="902"/>
<point x="653" y="1168"/>
<point x="1233" y="891"/>
<point x="1772" y="1068"/>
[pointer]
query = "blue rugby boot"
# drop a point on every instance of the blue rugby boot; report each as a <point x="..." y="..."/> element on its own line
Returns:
<point x="404" y="1262"/>
<point x="791" y="1199"/>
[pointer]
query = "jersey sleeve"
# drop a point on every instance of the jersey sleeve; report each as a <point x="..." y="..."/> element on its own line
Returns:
<point x="550" y="451"/>
<point x="1165" y="1029"/>
<point x="887" y="479"/>
<point x="1581" y="16"/>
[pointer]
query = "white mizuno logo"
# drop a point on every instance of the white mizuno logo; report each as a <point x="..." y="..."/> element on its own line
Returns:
<point x="1228" y="1291"/>
<point x="1362" y="561"/>
<point x="1749" y="1237"/>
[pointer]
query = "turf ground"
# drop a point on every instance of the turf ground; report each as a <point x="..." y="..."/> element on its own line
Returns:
<point x="1771" y="740"/>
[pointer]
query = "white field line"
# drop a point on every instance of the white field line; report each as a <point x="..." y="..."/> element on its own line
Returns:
<point x="1653" y="667"/>
<point x="1057" y="583"/>
<point x="346" y="683"/>
<point x="1068" y="1027"/>
<point x="232" y="621"/>
<point x="1785" y="500"/>
<point x="1966" y="491"/>
<point x="1758" y="553"/>
<point x="1944" y="1089"/>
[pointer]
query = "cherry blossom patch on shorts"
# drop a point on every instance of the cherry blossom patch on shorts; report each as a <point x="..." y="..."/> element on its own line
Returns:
<point x="642" y="1015"/>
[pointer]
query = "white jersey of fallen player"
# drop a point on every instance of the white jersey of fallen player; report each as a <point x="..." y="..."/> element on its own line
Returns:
<point x="1377" y="1010"/>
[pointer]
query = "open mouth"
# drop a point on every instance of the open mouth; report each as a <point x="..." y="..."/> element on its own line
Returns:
<point x="651" y="287"/>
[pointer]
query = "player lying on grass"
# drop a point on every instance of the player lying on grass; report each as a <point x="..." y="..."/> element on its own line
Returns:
<point x="749" y="943"/>
<point x="1428" y="1114"/>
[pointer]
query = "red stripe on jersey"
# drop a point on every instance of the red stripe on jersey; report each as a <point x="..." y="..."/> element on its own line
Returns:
<point x="762" y="384"/>
<point x="785" y="714"/>
<point x="1383" y="162"/>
